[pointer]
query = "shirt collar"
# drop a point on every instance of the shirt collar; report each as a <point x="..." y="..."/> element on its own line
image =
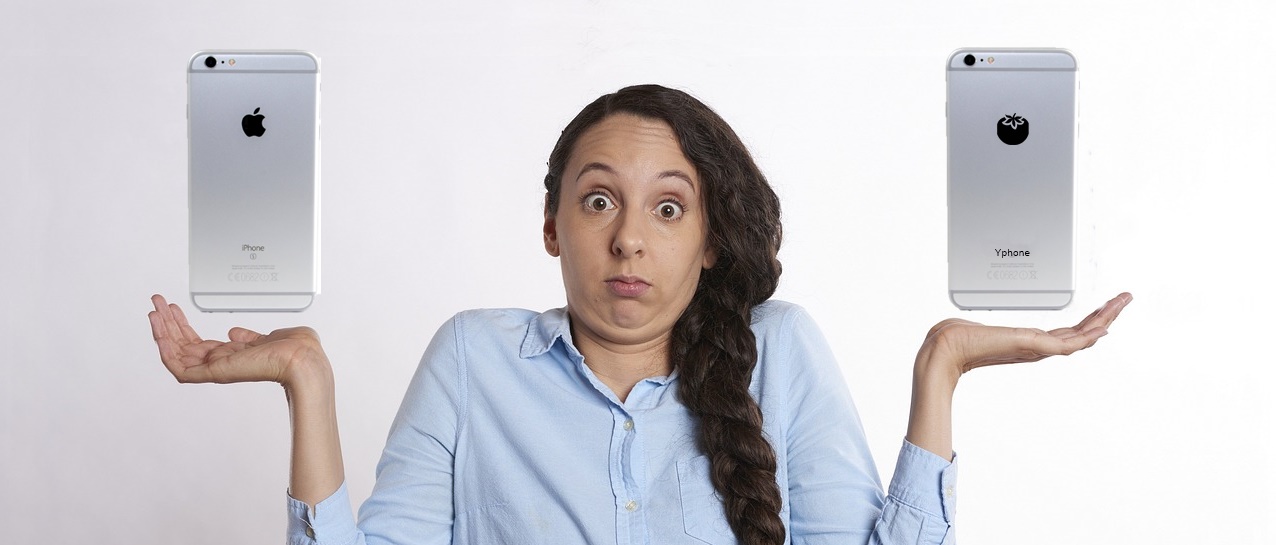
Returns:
<point x="550" y="326"/>
<point x="544" y="331"/>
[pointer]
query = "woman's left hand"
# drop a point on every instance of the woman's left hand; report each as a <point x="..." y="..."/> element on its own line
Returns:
<point x="963" y="345"/>
<point x="955" y="346"/>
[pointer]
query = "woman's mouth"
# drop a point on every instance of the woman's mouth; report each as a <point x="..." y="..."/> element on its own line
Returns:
<point x="627" y="286"/>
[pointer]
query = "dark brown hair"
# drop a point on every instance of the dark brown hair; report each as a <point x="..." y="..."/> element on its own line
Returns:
<point x="712" y="345"/>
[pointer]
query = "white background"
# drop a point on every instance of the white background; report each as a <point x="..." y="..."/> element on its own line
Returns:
<point x="438" y="118"/>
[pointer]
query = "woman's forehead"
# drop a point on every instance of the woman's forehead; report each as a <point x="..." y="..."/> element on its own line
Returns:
<point x="626" y="142"/>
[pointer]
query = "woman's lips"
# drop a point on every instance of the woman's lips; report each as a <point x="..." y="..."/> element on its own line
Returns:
<point x="627" y="286"/>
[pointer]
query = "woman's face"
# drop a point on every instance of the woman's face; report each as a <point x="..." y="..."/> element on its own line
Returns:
<point x="630" y="232"/>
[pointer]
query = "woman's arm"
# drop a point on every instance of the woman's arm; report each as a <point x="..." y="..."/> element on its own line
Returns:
<point x="316" y="469"/>
<point x="291" y="357"/>
<point x="954" y="347"/>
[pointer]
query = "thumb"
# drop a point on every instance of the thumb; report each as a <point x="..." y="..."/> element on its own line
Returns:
<point x="242" y="335"/>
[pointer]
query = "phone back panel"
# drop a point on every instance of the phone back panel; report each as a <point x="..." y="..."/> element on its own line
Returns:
<point x="254" y="180"/>
<point x="1011" y="134"/>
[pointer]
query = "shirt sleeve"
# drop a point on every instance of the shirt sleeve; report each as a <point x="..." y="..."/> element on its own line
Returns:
<point x="411" y="502"/>
<point x="331" y="521"/>
<point x="835" y="494"/>
<point x="922" y="504"/>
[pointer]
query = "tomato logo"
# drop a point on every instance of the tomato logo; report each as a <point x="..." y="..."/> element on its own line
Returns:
<point x="1012" y="129"/>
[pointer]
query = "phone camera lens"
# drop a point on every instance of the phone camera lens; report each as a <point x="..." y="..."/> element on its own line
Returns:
<point x="969" y="60"/>
<point x="211" y="62"/>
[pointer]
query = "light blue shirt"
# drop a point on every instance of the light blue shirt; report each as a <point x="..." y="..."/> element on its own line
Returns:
<point x="506" y="436"/>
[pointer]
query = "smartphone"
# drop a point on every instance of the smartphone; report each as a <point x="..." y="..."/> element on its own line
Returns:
<point x="1011" y="135"/>
<point x="253" y="188"/>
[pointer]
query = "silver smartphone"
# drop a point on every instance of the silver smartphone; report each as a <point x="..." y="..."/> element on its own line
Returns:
<point x="1011" y="134"/>
<point x="253" y="136"/>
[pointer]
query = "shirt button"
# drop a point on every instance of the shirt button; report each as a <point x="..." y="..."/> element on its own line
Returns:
<point x="310" y="532"/>
<point x="631" y="506"/>
<point x="948" y="491"/>
<point x="629" y="425"/>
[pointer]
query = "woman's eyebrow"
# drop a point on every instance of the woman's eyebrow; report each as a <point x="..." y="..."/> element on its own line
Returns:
<point x="678" y="174"/>
<point x="595" y="166"/>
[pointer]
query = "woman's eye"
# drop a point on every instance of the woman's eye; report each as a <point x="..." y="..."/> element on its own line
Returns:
<point x="599" y="203"/>
<point x="669" y="210"/>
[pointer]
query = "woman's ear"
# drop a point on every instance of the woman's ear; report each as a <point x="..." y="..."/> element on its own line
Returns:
<point x="710" y="257"/>
<point x="550" y="231"/>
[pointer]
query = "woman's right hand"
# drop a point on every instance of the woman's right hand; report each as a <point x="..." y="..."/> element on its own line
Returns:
<point x="285" y="356"/>
<point x="292" y="357"/>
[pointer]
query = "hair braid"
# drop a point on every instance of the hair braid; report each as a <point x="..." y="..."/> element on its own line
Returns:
<point x="715" y="377"/>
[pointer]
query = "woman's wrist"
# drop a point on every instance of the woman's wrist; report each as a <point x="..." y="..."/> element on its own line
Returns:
<point x="309" y="375"/>
<point x="930" y="415"/>
<point x="935" y="370"/>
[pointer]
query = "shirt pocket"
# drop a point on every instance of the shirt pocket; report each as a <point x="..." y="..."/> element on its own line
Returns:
<point x="702" y="514"/>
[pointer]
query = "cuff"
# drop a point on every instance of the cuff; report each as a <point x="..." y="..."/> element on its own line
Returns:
<point x="330" y="522"/>
<point x="925" y="482"/>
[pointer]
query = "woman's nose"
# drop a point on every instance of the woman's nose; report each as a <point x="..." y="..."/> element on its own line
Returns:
<point x="630" y="237"/>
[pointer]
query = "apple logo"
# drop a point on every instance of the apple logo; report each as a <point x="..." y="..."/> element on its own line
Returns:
<point x="1011" y="129"/>
<point x="253" y="127"/>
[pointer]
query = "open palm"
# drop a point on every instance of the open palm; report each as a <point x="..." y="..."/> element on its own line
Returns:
<point x="247" y="356"/>
<point x="973" y="345"/>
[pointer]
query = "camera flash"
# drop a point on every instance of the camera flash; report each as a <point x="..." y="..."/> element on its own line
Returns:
<point x="990" y="60"/>
<point x="231" y="62"/>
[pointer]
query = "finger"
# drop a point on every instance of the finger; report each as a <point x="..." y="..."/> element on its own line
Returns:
<point x="184" y="325"/>
<point x="1085" y="322"/>
<point x="1090" y="320"/>
<point x="243" y="335"/>
<point x="162" y="342"/>
<point x="170" y="350"/>
<point x="161" y="317"/>
<point x="1085" y="340"/>
<point x="1105" y="315"/>
<point x="1079" y="341"/>
<point x="174" y="324"/>
<point x="164" y="330"/>
<point x="1101" y="317"/>
<point x="157" y="324"/>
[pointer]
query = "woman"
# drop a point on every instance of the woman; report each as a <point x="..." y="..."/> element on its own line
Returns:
<point x="668" y="402"/>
